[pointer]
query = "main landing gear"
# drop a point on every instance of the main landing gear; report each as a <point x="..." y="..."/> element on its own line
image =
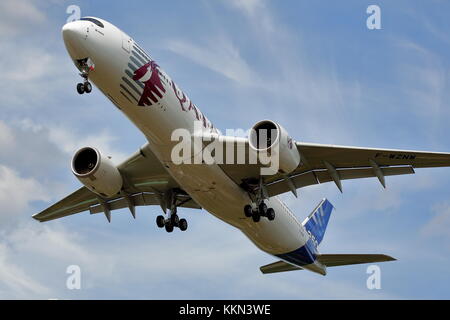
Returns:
<point x="172" y="222"/>
<point x="85" y="66"/>
<point x="172" y="219"/>
<point x="259" y="208"/>
<point x="259" y="211"/>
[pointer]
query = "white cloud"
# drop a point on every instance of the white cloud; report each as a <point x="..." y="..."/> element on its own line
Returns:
<point x="15" y="283"/>
<point x="29" y="80"/>
<point x="16" y="193"/>
<point x="17" y="16"/>
<point x="139" y="265"/>
<point x="247" y="6"/>
<point x="288" y="83"/>
<point x="423" y="79"/>
<point x="70" y="141"/>
<point x="28" y="68"/>
<point x="6" y="136"/>
<point x="259" y="16"/>
<point x="219" y="55"/>
<point x="31" y="241"/>
<point x="311" y="286"/>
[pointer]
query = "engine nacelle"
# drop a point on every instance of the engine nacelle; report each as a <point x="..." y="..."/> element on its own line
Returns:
<point x="96" y="172"/>
<point x="272" y="138"/>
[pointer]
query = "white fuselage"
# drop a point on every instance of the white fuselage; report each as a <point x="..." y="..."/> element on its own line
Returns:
<point x="116" y="58"/>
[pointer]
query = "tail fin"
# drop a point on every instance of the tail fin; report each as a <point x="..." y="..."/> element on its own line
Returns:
<point x="316" y="223"/>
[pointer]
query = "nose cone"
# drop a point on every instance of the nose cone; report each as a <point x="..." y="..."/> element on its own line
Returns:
<point x="74" y="35"/>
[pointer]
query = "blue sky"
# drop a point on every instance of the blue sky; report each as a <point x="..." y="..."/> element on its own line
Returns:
<point x="312" y="66"/>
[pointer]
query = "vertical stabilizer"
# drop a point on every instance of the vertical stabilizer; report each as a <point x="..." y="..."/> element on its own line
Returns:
<point x="317" y="221"/>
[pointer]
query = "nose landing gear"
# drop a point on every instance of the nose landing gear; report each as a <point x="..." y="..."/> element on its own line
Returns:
<point x="84" y="87"/>
<point x="85" y="66"/>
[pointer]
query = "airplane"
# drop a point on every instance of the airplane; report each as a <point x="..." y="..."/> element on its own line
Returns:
<point x="237" y="193"/>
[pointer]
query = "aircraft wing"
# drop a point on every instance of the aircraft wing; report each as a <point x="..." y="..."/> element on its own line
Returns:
<point x="145" y="182"/>
<point x="330" y="163"/>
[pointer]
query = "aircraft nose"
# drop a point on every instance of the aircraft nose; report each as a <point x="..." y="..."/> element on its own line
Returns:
<point x="74" y="35"/>
<point x="73" y="31"/>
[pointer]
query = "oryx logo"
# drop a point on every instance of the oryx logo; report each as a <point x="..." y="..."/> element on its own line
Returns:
<point x="149" y="75"/>
<point x="143" y="83"/>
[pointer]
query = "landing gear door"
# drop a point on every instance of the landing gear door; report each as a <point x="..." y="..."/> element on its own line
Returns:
<point x="126" y="43"/>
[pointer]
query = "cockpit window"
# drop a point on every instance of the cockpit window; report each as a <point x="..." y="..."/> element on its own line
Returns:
<point x="98" y="23"/>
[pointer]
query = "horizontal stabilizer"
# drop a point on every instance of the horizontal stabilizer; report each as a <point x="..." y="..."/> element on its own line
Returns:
<point x="279" y="266"/>
<point x="334" y="260"/>
<point x="329" y="260"/>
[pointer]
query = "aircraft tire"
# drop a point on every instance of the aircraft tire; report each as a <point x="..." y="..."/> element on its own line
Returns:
<point x="174" y="219"/>
<point x="169" y="227"/>
<point x="87" y="87"/>
<point x="262" y="209"/>
<point x="248" y="211"/>
<point x="80" y="88"/>
<point x="160" y="221"/>
<point x="183" y="225"/>
<point x="270" y="214"/>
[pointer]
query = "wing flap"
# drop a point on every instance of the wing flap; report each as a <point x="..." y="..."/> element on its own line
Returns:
<point x="141" y="199"/>
<point x="359" y="173"/>
<point x="322" y="176"/>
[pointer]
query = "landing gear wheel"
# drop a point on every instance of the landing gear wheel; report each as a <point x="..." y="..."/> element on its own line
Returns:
<point x="182" y="224"/>
<point x="256" y="217"/>
<point x="270" y="214"/>
<point x="169" y="227"/>
<point x="87" y="87"/>
<point x="160" y="221"/>
<point x="174" y="219"/>
<point x="248" y="211"/>
<point x="80" y="88"/>
<point x="262" y="209"/>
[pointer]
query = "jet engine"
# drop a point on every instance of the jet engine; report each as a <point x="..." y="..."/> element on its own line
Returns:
<point x="268" y="136"/>
<point x="96" y="172"/>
